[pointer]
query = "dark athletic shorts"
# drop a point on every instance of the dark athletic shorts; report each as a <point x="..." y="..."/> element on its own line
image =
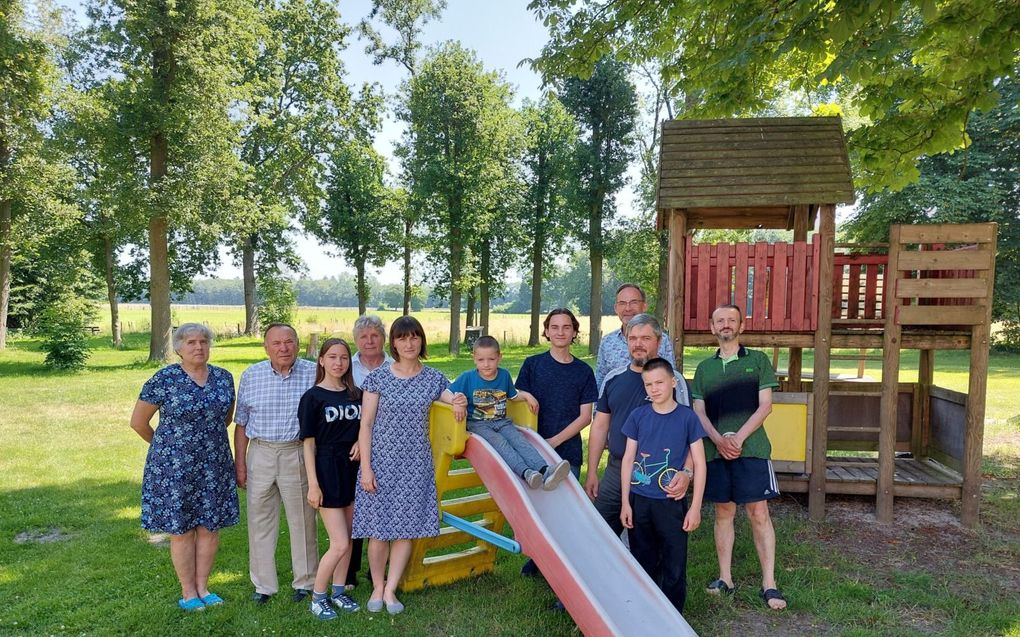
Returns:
<point x="337" y="475"/>
<point x="743" y="480"/>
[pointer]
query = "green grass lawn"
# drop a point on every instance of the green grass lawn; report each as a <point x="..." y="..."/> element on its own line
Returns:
<point x="71" y="467"/>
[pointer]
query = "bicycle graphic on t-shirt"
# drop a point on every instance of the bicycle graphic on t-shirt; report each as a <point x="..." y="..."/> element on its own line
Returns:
<point x="644" y="471"/>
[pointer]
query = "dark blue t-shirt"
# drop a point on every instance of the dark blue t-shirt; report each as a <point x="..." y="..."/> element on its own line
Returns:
<point x="622" y="392"/>
<point x="561" y="389"/>
<point x="664" y="441"/>
<point x="486" y="398"/>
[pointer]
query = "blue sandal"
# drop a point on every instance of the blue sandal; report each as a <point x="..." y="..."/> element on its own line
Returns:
<point x="190" y="605"/>
<point x="212" y="599"/>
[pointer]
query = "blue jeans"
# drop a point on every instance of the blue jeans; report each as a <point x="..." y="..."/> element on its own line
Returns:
<point x="509" y="443"/>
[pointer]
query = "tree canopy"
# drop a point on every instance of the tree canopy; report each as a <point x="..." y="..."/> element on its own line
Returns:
<point x="907" y="73"/>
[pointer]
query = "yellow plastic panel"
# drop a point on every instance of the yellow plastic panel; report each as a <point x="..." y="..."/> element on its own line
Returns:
<point x="787" y="428"/>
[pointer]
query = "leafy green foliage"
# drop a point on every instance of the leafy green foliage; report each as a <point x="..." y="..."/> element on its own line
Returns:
<point x="550" y="134"/>
<point x="605" y="107"/>
<point x="979" y="184"/>
<point x="31" y="176"/>
<point x="360" y="214"/>
<point x="277" y="300"/>
<point x="912" y="71"/>
<point x="454" y="152"/>
<point x="62" y="327"/>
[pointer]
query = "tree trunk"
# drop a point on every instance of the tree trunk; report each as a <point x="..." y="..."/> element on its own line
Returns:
<point x="407" y="264"/>
<point x="662" y="289"/>
<point x="6" y="250"/>
<point x="456" y="263"/>
<point x="251" y="315"/>
<point x="159" y="262"/>
<point x="537" y="261"/>
<point x="595" y="252"/>
<point x="159" y="290"/>
<point x="362" y="286"/>
<point x="470" y="319"/>
<point x="164" y="71"/>
<point x="111" y="291"/>
<point x="483" y="288"/>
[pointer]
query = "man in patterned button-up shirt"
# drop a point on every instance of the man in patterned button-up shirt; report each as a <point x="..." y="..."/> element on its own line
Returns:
<point x="270" y="463"/>
<point x="613" y="353"/>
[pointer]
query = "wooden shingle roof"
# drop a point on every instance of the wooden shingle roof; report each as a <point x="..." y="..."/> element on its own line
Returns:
<point x="743" y="164"/>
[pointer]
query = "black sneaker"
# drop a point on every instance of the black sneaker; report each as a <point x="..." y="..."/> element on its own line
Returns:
<point x="300" y="594"/>
<point x="530" y="569"/>
<point x="260" y="598"/>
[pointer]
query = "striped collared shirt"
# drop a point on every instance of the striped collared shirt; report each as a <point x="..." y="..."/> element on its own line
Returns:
<point x="361" y="372"/>
<point x="267" y="401"/>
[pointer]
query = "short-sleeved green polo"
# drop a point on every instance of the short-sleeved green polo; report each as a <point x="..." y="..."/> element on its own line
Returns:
<point x="730" y="391"/>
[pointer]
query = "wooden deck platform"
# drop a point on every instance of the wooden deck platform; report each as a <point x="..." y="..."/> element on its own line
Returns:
<point x="920" y="478"/>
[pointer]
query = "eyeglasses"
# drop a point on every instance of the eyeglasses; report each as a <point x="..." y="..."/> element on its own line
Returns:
<point x="631" y="303"/>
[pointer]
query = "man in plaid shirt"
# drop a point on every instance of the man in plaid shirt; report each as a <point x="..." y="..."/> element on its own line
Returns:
<point x="270" y="463"/>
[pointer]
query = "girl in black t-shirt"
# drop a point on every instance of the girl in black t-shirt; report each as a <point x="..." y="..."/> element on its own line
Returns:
<point x="330" y="418"/>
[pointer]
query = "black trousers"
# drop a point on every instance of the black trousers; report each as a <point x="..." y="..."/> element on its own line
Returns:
<point x="659" y="543"/>
<point x="352" y="571"/>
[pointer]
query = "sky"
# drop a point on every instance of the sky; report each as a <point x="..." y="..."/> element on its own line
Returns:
<point x="502" y="33"/>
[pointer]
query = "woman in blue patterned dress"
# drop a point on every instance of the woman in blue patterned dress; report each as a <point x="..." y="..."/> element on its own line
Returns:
<point x="396" y="500"/>
<point x="189" y="488"/>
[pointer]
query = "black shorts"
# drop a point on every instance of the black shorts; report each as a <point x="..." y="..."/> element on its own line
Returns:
<point x="337" y="475"/>
<point x="742" y="481"/>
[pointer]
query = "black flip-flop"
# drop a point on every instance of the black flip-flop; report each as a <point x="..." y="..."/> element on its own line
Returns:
<point x="772" y="593"/>
<point x="719" y="587"/>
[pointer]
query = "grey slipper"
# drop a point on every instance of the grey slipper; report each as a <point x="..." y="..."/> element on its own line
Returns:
<point x="374" y="605"/>
<point x="395" y="608"/>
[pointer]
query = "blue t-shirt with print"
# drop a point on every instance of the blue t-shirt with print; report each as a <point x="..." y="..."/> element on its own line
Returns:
<point x="663" y="442"/>
<point x="486" y="398"/>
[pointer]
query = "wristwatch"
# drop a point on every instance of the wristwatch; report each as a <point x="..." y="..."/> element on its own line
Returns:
<point x="687" y="472"/>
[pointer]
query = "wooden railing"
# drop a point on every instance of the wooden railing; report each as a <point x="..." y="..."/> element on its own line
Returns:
<point x="776" y="284"/>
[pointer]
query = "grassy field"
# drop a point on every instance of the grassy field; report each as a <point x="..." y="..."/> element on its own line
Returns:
<point x="74" y="561"/>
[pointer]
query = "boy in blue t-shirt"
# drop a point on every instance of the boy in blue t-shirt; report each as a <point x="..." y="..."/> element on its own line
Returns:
<point x="658" y="438"/>
<point x="486" y="390"/>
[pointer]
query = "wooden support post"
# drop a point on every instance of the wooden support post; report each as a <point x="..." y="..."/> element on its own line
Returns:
<point x="677" y="284"/>
<point x="974" y="433"/>
<point x="890" y="386"/>
<point x="925" y="378"/>
<point x="794" y="370"/>
<point x="823" y="345"/>
<point x="796" y="363"/>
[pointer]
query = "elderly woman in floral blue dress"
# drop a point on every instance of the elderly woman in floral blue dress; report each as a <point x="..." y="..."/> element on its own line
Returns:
<point x="188" y="486"/>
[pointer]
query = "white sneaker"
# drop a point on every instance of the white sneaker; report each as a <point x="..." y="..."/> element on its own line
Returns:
<point x="555" y="475"/>
<point x="533" y="478"/>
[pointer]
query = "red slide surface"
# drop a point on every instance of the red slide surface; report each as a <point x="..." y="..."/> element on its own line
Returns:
<point x="604" y="589"/>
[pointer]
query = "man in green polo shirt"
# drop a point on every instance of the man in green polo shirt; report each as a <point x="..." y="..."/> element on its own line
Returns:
<point x="732" y="394"/>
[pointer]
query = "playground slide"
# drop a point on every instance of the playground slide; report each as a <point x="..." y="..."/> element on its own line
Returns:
<point x="604" y="589"/>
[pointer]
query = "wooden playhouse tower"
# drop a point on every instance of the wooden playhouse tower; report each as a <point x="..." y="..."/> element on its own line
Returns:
<point x="929" y="288"/>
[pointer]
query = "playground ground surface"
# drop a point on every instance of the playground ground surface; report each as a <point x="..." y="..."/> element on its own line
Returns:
<point x="74" y="561"/>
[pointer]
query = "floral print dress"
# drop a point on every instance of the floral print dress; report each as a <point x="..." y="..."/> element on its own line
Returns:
<point x="189" y="478"/>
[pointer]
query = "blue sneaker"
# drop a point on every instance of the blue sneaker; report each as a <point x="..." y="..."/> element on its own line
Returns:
<point x="322" y="609"/>
<point x="343" y="602"/>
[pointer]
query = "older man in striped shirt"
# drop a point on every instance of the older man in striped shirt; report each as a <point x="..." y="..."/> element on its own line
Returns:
<point x="270" y="464"/>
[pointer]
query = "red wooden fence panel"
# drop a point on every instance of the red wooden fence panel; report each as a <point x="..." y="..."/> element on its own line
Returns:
<point x="775" y="284"/>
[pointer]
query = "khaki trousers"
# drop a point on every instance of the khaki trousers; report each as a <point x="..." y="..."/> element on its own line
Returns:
<point x="276" y="472"/>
